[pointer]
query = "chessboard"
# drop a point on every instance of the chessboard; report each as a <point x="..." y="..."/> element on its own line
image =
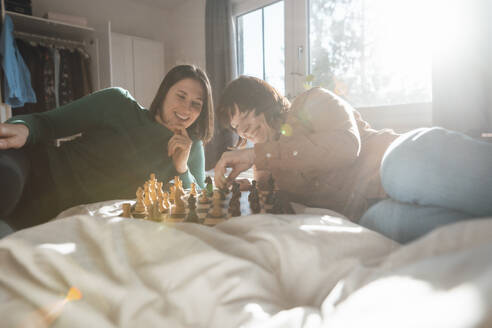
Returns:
<point x="151" y="197"/>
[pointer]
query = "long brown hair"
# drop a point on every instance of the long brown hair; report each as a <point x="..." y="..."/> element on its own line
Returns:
<point x="203" y="127"/>
<point x="250" y="93"/>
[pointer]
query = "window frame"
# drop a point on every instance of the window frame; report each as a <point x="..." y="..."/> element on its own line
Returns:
<point x="245" y="7"/>
<point x="296" y="20"/>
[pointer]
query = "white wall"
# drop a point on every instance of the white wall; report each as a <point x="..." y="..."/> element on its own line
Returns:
<point x="126" y="16"/>
<point x="186" y="35"/>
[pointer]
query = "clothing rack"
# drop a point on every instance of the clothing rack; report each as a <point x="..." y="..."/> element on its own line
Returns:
<point x="49" y="38"/>
<point x="51" y="41"/>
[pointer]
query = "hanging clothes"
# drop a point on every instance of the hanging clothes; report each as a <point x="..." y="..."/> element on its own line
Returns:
<point x="65" y="86"/>
<point x="49" y="79"/>
<point x="17" y="80"/>
<point x="34" y="58"/>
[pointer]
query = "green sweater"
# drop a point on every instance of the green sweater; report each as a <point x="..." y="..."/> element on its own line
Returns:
<point x="121" y="145"/>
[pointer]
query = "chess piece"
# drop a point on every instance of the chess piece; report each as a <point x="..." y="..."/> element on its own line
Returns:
<point x="277" y="205"/>
<point x="270" y="188"/>
<point x="192" y="215"/>
<point x="163" y="206"/>
<point x="178" y="209"/>
<point x="193" y="189"/>
<point x="153" y="212"/>
<point x="179" y="184"/>
<point x="216" y="210"/>
<point x="172" y="191"/>
<point x="254" y="198"/>
<point x="253" y="191"/>
<point x="203" y="197"/>
<point x="140" y="210"/>
<point x="209" y="186"/>
<point x="147" y="198"/>
<point x="165" y="201"/>
<point x="222" y="193"/>
<point x="126" y="210"/>
<point x="235" y="203"/>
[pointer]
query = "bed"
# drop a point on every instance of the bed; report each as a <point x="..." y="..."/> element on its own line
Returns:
<point x="91" y="268"/>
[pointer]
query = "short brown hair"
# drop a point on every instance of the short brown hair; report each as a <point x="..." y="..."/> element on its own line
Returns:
<point x="203" y="127"/>
<point x="250" y="93"/>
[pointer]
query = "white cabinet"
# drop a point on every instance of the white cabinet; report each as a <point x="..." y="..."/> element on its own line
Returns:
<point x="137" y="65"/>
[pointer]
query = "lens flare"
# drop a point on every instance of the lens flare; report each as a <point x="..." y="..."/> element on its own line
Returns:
<point x="286" y="130"/>
<point x="74" y="294"/>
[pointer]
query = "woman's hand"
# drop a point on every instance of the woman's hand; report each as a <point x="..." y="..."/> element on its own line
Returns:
<point x="244" y="184"/>
<point x="178" y="148"/>
<point x="13" y="135"/>
<point x="238" y="160"/>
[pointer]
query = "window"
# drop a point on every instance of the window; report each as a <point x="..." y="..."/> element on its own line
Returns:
<point x="261" y="45"/>
<point x="371" y="52"/>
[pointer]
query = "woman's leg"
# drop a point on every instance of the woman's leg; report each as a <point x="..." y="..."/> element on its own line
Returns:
<point x="405" y="222"/>
<point x="14" y="172"/>
<point x="438" y="167"/>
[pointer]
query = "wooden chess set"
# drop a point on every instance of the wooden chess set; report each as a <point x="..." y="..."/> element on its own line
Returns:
<point x="209" y="206"/>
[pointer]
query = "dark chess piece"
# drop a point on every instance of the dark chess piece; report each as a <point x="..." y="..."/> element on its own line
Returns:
<point x="209" y="186"/>
<point x="223" y="192"/>
<point x="235" y="203"/>
<point x="270" y="188"/>
<point x="235" y="188"/>
<point x="253" y="191"/>
<point x="277" y="207"/>
<point x="235" y="207"/>
<point x="192" y="215"/>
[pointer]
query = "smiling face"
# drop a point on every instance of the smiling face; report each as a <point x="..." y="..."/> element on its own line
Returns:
<point x="182" y="105"/>
<point x="250" y="126"/>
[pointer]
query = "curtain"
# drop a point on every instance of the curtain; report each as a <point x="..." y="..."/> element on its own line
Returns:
<point x="221" y="68"/>
<point x="462" y="74"/>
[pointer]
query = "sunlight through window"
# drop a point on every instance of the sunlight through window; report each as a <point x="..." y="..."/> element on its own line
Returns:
<point x="261" y="45"/>
<point x="372" y="53"/>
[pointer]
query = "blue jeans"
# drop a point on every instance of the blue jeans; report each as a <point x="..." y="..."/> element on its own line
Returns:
<point x="433" y="176"/>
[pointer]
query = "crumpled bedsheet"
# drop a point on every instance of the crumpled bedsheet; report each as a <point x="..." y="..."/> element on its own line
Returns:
<point x="305" y="270"/>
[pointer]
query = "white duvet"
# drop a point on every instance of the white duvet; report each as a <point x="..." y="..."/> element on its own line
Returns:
<point x="306" y="270"/>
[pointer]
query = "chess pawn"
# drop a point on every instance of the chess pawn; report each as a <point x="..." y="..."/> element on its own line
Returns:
<point x="140" y="209"/>
<point x="216" y="210"/>
<point x="193" y="189"/>
<point x="154" y="213"/>
<point x="203" y="197"/>
<point x="172" y="192"/>
<point x="178" y="209"/>
<point x="277" y="205"/>
<point x="192" y="215"/>
<point x="126" y="210"/>
<point x="235" y="206"/>
<point x="253" y="191"/>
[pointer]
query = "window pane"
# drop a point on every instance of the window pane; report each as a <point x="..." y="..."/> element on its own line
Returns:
<point x="250" y="44"/>
<point x="371" y="52"/>
<point x="274" y="45"/>
<point x="261" y="45"/>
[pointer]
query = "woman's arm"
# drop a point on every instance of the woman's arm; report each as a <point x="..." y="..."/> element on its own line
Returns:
<point x="325" y="136"/>
<point x="78" y="116"/>
<point x="196" y="166"/>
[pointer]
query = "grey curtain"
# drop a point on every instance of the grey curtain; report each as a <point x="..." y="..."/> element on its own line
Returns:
<point x="221" y="67"/>
<point x="462" y="73"/>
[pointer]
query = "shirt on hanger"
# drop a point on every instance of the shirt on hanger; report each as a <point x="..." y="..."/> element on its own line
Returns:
<point x="17" y="81"/>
